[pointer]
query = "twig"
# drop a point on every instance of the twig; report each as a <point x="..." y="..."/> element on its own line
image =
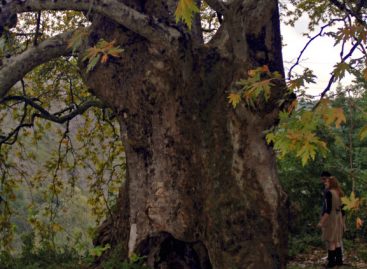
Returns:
<point x="44" y="114"/>
<point x="320" y="33"/>
<point x="332" y="78"/>
<point x="38" y="16"/>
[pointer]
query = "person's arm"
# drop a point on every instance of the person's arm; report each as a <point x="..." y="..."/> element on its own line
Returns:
<point x="328" y="206"/>
<point x="323" y="220"/>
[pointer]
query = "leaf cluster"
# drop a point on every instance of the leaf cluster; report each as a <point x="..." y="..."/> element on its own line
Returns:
<point x="257" y="84"/>
<point x="297" y="132"/>
<point x="100" y="53"/>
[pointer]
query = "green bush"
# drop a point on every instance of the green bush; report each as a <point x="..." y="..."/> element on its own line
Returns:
<point x="303" y="243"/>
<point x="41" y="257"/>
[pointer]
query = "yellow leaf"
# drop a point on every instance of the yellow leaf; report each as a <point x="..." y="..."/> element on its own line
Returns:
<point x="251" y="72"/>
<point x="107" y="45"/>
<point x="359" y="223"/>
<point x="234" y="99"/>
<point x="185" y="10"/>
<point x="270" y="137"/>
<point x="332" y="115"/>
<point x="104" y="58"/>
<point x="351" y="202"/>
<point x="77" y="38"/>
<point x="91" y="53"/>
<point x="363" y="133"/>
<point x="294" y="136"/>
<point x="364" y="72"/>
<point x="339" y="116"/>
<point x="115" y="52"/>
<point x="56" y="227"/>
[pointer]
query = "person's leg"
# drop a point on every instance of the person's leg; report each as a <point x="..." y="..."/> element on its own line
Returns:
<point x="331" y="255"/>
<point x="338" y="254"/>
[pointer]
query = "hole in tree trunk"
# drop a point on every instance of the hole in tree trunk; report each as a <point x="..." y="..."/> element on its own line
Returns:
<point x="163" y="251"/>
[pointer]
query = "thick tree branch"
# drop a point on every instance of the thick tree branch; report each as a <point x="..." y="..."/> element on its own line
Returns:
<point x="217" y="5"/>
<point x="18" y="66"/>
<point x="35" y="42"/>
<point x="146" y="26"/>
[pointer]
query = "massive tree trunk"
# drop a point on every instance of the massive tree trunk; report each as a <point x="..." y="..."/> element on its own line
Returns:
<point x="201" y="188"/>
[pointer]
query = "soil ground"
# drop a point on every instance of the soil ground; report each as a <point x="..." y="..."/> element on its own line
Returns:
<point x="315" y="258"/>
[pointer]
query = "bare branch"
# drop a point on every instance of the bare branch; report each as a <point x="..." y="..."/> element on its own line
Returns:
<point x="14" y="134"/>
<point x="320" y="33"/>
<point x="44" y="114"/>
<point x="146" y="26"/>
<point x="332" y="78"/>
<point x="18" y="66"/>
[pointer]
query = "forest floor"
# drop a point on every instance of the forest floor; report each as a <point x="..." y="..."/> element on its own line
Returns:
<point x="315" y="258"/>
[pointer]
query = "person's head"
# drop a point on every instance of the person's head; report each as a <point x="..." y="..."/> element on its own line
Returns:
<point x="332" y="183"/>
<point x="324" y="175"/>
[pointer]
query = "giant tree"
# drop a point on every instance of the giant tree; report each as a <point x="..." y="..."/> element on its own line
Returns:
<point x="201" y="188"/>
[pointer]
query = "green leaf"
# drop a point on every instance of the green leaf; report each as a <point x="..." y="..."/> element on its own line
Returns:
<point x="234" y="99"/>
<point x="93" y="62"/>
<point x="363" y="133"/>
<point x="300" y="81"/>
<point x="340" y="69"/>
<point x="77" y="39"/>
<point x="270" y="137"/>
<point x="185" y="11"/>
<point x="98" y="250"/>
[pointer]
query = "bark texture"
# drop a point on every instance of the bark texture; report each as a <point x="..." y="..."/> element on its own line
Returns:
<point x="15" y="68"/>
<point x="202" y="188"/>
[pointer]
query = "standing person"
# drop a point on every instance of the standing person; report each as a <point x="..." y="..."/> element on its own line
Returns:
<point x="331" y="221"/>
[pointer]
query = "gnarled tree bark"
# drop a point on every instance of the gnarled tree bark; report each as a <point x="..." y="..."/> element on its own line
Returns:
<point x="201" y="188"/>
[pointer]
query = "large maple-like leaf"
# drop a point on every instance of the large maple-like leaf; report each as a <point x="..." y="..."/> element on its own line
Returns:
<point x="234" y="99"/>
<point x="331" y="114"/>
<point x="351" y="202"/>
<point x="340" y="69"/>
<point x="339" y="116"/>
<point x="185" y="11"/>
